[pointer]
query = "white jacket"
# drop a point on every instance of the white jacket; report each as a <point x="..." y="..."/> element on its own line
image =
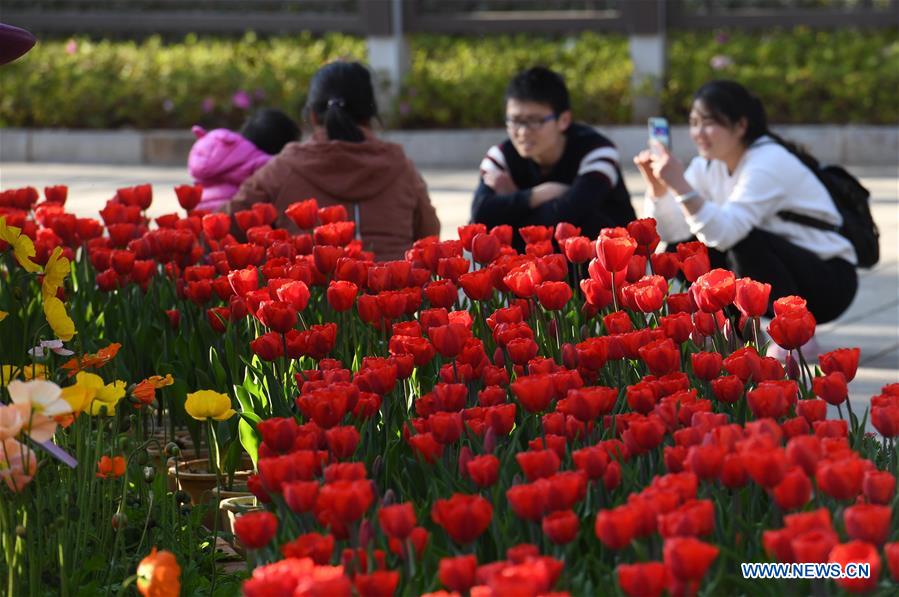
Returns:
<point x="767" y="180"/>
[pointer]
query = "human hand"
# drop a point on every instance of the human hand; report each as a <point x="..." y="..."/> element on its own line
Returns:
<point x="500" y="182"/>
<point x="547" y="191"/>
<point x="643" y="161"/>
<point x="667" y="168"/>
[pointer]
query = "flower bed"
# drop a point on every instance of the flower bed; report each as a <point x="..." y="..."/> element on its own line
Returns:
<point x="467" y="420"/>
<point x="844" y="76"/>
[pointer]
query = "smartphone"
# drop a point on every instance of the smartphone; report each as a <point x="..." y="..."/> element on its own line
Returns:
<point x="659" y="131"/>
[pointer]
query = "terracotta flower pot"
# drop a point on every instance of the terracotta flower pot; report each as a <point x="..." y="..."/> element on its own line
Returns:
<point x="194" y="477"/>
<point x="230" y="509"/>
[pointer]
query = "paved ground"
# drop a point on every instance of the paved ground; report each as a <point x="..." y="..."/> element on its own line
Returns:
<point x="872" y="322"/>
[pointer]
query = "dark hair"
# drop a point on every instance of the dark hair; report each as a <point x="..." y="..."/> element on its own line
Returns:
<point x="270" y="130"/>
<point x="727" y="102"/>
<point x="342" y="98"/>
<point x="540" y="85"/>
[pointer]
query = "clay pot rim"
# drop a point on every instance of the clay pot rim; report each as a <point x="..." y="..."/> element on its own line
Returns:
<point x="184" y="465"/>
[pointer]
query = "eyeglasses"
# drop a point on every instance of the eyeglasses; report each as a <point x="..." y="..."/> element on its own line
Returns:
<point x="529" y="124"/>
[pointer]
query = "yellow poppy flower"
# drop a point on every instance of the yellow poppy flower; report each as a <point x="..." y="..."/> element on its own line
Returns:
<point x="3" y="315"/>
<point x="55" y="273"/>
<point x="59" y="320"/>
<point x="207" y="404"/>
<point x="78" y="396"/>
<point x="101" y="394"/>
<point x="26" y="372"/>
<point x="22" y="246"/>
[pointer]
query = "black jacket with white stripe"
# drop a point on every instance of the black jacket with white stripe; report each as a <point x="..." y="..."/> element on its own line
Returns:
<point x="597" y="198"/>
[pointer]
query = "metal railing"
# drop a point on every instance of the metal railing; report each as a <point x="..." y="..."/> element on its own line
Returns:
<point x="124" y="18"/>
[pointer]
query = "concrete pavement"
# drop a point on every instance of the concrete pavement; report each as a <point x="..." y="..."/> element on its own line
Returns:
<point x="871" y="323"/>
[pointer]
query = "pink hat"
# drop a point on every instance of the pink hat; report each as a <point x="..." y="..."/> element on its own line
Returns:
<point x="14" y="43"/>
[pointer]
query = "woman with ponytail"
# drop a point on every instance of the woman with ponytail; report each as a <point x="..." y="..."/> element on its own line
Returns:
<point x="730" y="195"/>
<point x="344" y="163"/>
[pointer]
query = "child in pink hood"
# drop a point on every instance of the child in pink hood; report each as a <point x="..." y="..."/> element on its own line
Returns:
<point x="220" y="160"/>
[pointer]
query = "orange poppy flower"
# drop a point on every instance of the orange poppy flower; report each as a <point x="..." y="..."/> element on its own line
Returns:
<point x="111" y="468"/>
<point x="158" y="575"/>
<point x="92" y="361"/>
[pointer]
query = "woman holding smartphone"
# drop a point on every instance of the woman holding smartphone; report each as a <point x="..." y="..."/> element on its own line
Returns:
<point x="730" y="195"/>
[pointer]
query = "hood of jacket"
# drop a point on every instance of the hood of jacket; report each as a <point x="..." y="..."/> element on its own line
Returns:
<point x="346" y="171"/>
<point x="223" y="156"/>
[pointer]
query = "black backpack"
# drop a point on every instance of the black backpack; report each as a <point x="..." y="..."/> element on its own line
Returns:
<point x="851" y="200"/>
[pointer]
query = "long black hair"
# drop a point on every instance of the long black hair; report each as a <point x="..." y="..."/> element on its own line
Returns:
<point x="342" y="98"/>
<point x="727" y="102"/>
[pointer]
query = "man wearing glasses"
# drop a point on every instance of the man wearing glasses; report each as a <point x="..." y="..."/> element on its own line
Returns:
<point x="550" y="169"/>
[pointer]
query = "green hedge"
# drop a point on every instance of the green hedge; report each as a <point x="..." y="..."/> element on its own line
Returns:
<point x="802" y="75"/>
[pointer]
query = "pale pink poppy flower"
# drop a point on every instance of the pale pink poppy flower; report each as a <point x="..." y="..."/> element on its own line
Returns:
<point x="11" y="421"/>
<point x="18" y="464"/>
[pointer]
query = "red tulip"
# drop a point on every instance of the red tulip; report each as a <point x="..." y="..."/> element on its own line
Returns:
<point x="707" y="365"/>
<point x="812" y="410"/>
<point x="706" y="460"/>
<point x="879" y="486"/>
<point x="534" y="392"/>
<point x="300" y="496"/>
<point x="857" y="552"/>
<point x="885" y="419"/>
<point x="485" y="248"/>
<point x="792" y="329"/>
<point x="380" y="583"/>
<point x="614" y="249"/>
<point x="831" y="387"/>
<point x="647" y="579"/>
<point x="528" y="501"/>
<point x="277" y="316"/>
<point x="268" y="347"/>
<point x="617" y="527"/>
<point x="678" y="326"/>
<point x="661" y="356"/>
<point x="294" y="293"/>
<point x="688" y="558"/>
<point x="538" y="464"/>
<point x="714" y="290"/>
<point x="553" y="296"/>
<point x="464" y="517"/>
<point x="122" y="262"/>
<point x="891" y="550"/>
<point x="189" y="195"/>
<point x="303" y="213"/>
<point x="843" y="360"/>
<point x="477" y="285"/>
<point x="426" y="446"/>
<point x="449" y="339"/>
<point x="752" y="297"/>
<point x="342" y="441"/>
<point x="644" y="232"/>
<point x="458" y="574"/>
<point x="483" y="470"/>
<point x="794" y="491"/>
<point x="256" y="529"/>
<point x="694" y="518"/>
<point x="397" y="521"/>
<point x="767" y="401"/>
<point x="813" y="546"/>
<point x="341" y="295"/>
<point x="868" y="522"/>
<point x="319" y="548"/>
<point x="577" y="249"/>
<point x="345" y="501"/>
<point x="840" y="479"/>
<point x="561" y="527"/>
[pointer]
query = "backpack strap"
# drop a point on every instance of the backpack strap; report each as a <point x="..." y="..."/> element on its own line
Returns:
<point x="809" y="221"/>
